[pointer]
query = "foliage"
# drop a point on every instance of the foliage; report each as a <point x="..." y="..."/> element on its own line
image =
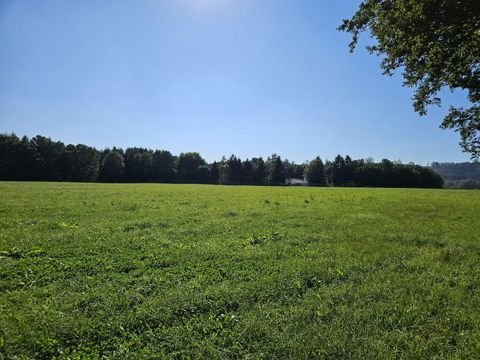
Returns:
<point x="462" y="184"/>
<point x="457" y="171"/>
<point x="459" y="175"/>
<point x="187" y="166"/>
<point x="112" y="167"/>
<point x="348" y="172"/>
<point x="138" y="164"/>
<point x="215" y="173"/>
<point x="79" y="163"/>
<point x="41" y="158"/>
<point x="260" y="171"/>
<point x="163" y="166"/>
<point x="92" y="271"/>
<point x="276" y="170"/>
<point x="437" y="45"/>
<point x="315" y="172"/>
<point x="232" y="171"/>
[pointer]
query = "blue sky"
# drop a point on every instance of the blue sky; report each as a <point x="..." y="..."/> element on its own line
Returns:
<point x="249" y="77"/>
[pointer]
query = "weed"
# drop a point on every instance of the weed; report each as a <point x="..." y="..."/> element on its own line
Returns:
<point x="358" y="273"/>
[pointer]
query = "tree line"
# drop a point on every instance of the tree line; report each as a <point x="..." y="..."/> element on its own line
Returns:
<point x="464" y="175"/>
<point x="42" y="159"/>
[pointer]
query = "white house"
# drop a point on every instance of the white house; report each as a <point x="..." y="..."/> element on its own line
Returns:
<point x="297" y="182"/>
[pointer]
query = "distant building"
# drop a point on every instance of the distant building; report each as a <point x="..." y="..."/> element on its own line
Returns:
<point x="296" y="182"/>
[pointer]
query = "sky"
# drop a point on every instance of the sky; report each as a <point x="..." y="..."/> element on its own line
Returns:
<point x="220" y="77"/>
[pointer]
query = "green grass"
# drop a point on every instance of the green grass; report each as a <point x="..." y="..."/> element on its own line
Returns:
<point x="191" y="271"/>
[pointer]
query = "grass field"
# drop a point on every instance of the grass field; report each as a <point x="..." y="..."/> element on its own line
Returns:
<point x="191" y="271"/>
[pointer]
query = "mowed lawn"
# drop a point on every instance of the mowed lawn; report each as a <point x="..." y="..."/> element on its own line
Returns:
<point x="129" y="271"/>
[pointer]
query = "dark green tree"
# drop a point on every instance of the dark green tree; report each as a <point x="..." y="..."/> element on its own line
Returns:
<point x="315" y="172"/>
<point x="79" y="163"/>
<point x="112" y="167"/>
<point x="17" y="158"/>
<point x="163" y="166"/>
<point x="338" y="172"/>
<point x="233" y="170"/>
<point x="187" y="166"/>
<point x="276" y="170"/>
<point x="293" y="170"/>
<point x="260" y="171"/>
<point x="214" y="173"/>
<point x="248" y="173"/>
<point x="138" y="163"/>
<point x="436" y="43"/>
<point x="203" y="175"/>
<point x="47" y="154"/>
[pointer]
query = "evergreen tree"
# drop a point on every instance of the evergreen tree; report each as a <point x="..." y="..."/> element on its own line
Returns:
<point x="214" y="173"/>
<point x="233" y="170"/>
<point x="338" y="171"/>
<point x="276" y="170"/>
<point x="259" y="171"/>
<point x="315" y="172"/>
<point x="248" y="174"/>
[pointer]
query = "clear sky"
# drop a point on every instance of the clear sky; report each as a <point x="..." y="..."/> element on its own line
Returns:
<point x="249" y="77"/>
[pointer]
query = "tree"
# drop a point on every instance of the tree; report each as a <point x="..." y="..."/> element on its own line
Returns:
<point x="248" y="173"/>
<point x="187" y="166"/>
<point x="203" y="175"/>
<point x="162" y="167"/>
<point x="259" y="171"/>
<point x="338" y="171"/>
<point x="214" y="173"/>
<point x="79" y="163"/>
<point x="112" y="167"/>
<point x="138" y="162"/>
<point x="17" y="158"/>
<point x="293" y="170"/>
<point x="47" y="156"/>
<point x="437" y="44"/>
<point x="276" y="170"/>
<point x="315" y="172"/>
<point x="233" y="170"/>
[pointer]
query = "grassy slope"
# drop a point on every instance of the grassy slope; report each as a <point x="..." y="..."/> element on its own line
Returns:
<point x="225" y="272"/>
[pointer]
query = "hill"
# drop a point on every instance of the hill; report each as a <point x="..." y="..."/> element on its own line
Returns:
<point x="459" y="175"/>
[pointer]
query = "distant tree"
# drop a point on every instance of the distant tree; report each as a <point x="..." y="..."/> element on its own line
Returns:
<point x="349" y="171"/>
<point x="276" y="170"/>
<point x="41" y="158"/>
<point x="79" y="163"/>
<point x="436" y="44"/>
<point x="462" y="184"/>
<point x="214" y="173"/>
<point x="162" y="166"/>
<point x="203" y="175"/>
<point x="339" y="171"/>
<point x="458" y="171"/>
<point x="112" y="167"/>
<point x="429" y="178"/>
<point x="187" y="166"/>
<point x="248" y="173"/>
<point x="388" y="169"/>
<point x="259" y="171"/>
<point x="138" y="163"/>
<point x="315" y="172"/>
<point x="17" y="158"/>
<point x="293" y="170"/>
<point x="233" y="170"/>
<point x="47" y="154"/>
